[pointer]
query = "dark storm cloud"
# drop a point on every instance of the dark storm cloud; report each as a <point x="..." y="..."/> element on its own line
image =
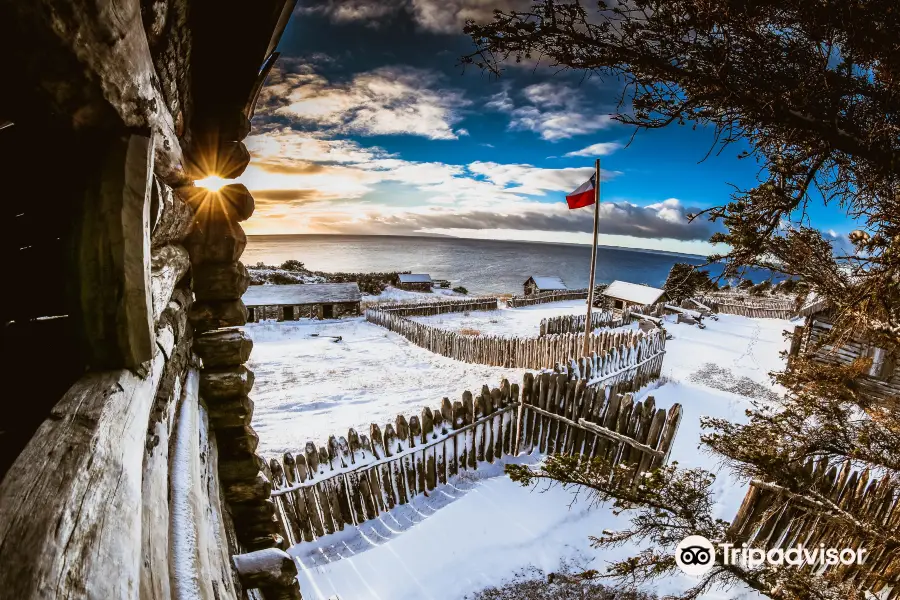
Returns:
<point x="664" y="220"/>
<point x="285" y="197"/>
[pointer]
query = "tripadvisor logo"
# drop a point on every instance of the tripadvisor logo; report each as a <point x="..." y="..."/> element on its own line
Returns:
<point x="695" y="555"/>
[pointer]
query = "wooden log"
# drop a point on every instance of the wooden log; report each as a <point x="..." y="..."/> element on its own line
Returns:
<point x="297" y="499"/>
<point x="480" y="428"/>
<point x="225" y="382"/>
<point x="113" y="258"/>
<point x="285" y="503"/>
<point x="392" y="446"/>
<point x="415" y="439"/>
<point x="168" y="264"/>
<point x="269" y="569"/>
<point x="306" y="472"/>
<point x="231" y="412"/>
<point x="526" y="418"/>
<point x="380" y="451"/>
<point x="339" y="448"/>
<point x="214" y="239"/>
<point x="547" y="391"/>
<point x="257" y="489"/>
<point x="457" y="449"/>
<point x="429" y="458"/>
<point x="469" y="418"/>
<point x="353" y="482"/>
<point x="497" y="423"/>
<point x="667" y="439"/>
<point x="220" y="281"/>
<point x="440" y="449"/>
<point x="224" y="347"/>
<point x="227" y="159"/>
<point x="205" y="316"/>
<point x="320" y="490"/>
<point x="173" y="217"/>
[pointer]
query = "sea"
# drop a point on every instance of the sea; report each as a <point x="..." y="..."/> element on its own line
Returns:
<point x="481" y="266"/>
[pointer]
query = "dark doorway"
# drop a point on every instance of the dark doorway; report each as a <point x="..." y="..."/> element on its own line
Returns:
<point x="328" y="311"/>
<point x="289" y="313"/>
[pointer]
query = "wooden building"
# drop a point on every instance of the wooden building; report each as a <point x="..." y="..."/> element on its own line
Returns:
<point x="418" y="282"/>
<point x="302" y="301"/>
<point x="621" y="295"/>
<point x="128" y="464"/>
<point x="536" y="284"/>
<point x="882" y="381"/>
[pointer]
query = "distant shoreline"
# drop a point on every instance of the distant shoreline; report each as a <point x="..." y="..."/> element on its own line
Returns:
<point x="447" y="237"/>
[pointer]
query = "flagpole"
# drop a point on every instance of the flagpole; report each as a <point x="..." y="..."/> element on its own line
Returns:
<point x="590" y="303"/>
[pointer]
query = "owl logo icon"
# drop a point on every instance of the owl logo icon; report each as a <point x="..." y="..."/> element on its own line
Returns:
<point x="695" y="555"/>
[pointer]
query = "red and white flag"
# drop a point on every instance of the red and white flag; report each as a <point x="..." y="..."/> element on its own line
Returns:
<point x="583" y="196"/>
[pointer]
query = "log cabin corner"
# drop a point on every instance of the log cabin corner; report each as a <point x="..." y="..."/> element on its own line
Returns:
<point x="128" y="467"/>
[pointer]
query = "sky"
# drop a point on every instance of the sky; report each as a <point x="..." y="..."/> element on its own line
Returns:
<point x="369" y="125"/>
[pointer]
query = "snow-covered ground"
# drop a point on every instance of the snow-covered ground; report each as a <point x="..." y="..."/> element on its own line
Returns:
<point x="482" y="528"/>
<point x="505" y="322"/>
<point x="309" y="387"/>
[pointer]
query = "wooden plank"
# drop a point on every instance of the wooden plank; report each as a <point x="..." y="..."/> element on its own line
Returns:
<point x="469" y="416"/>
<point x="297" y="498"/>
<point x="428" y="456"/>
<point x="458" y="458"/>
<point x="392" y="446"/>
<point x="353" y="482"/>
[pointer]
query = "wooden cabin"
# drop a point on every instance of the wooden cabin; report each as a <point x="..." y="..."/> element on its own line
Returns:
<point x="621" y="295"/>
<point x="302" y="301"/>
<point x="128" y="464"/>
<point x="416" y="282"/>
<point x="814" y="320"/>
<point x="536" y="284"/>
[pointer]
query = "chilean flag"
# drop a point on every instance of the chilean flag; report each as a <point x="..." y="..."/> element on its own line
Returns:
<point x="583" y="196"/>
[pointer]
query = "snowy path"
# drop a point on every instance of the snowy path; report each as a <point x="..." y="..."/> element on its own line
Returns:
<point x="480" y="530"/>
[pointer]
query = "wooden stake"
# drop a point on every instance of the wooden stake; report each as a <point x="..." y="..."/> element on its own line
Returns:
<point x="590" y="302"/>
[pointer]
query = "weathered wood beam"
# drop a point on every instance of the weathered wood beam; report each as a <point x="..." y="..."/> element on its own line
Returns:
<point x="168" y="265"/>
<point x="106" y="38"/>
<point x="70" y="506"/>
<point x="171" y="217"/>
<point x="268" y="569"/>
<point x="113" y="258"/>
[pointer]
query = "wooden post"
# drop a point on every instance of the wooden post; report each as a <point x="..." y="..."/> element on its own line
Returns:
<point x="590" y="300"/>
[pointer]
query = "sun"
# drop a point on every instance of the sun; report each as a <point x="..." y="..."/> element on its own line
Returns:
<point x="212" y="183"/>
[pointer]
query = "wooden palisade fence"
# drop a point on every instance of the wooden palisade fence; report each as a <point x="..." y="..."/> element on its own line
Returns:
<point x="355" y="478"/>
<point x="544" y="297"/>
<point x="773" y="517"/>
<point x="575" y="323"/>
<point x="527" y="353"/>
<point x="763" y="308"/>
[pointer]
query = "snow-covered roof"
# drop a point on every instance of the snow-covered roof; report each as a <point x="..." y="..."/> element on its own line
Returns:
<point x="633" y="292"/>
<point x="812" y="305"/>
<point x="549" y="283"/>
<point x="301" y="293"/>
<point x="415" y="278"/>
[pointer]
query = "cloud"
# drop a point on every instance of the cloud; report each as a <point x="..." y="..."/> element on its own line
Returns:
<point x="665" y="220"/>
<point x="599" y="149"/>
<point x="554" y="110"/>
<point x="389" y="100"/>
<point x="437" y="16"/>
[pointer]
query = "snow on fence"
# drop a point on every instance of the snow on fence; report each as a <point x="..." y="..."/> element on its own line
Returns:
<point x="575" y="323"/>
<point x="544" y="297"/>
<point x="774" y="517"/>
<point x="769" y="308"/>
<point x="423" y="309"/>
<point x="522" y="353"/>
<point x="355" y="479"/>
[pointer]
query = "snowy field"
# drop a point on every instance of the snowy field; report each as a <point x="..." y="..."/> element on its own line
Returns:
<point x="505" y="322"/>
<point x="309" y="387"/>
<point x="482" y="528"/>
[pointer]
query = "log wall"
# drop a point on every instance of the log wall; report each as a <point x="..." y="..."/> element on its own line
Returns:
<point x="773" y="517"/>
<point x="346" y="481"/>
<point x="576" y="323"/>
